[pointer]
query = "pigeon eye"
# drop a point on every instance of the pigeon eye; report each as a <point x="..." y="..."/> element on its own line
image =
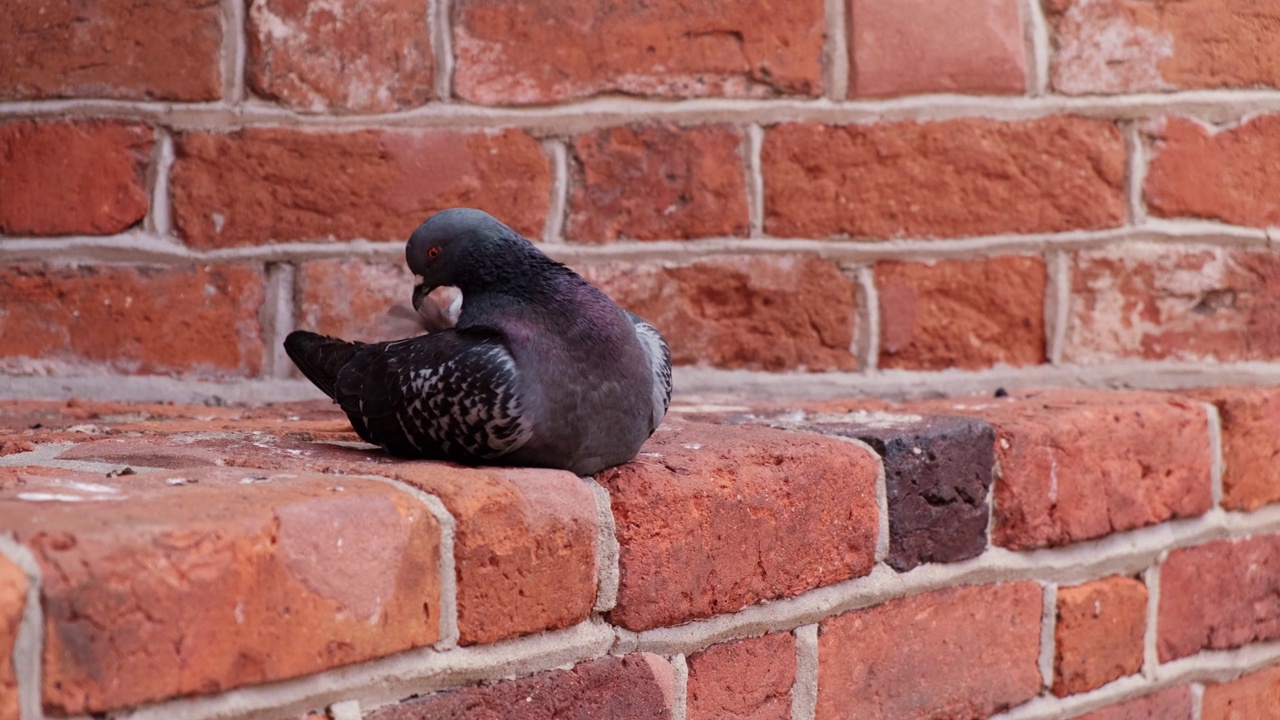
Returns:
<point x="433" y="252"/>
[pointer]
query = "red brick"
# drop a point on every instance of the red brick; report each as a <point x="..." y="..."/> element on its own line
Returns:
<point x="1256" y="695"/>
<point x="262" y="185"/>
<point x="1250" y="419"/>
<point x="1117" y="46"/>
<point x="1196" y="171"/>
<point x="901" y="47"/>
<point x="524" y="547"/>
<point x="711" y="519"/>
<point x="744" y="680"/>
<point x="129" y="49"/>
<point x="13" y="599"/>
<point x="1169" y="704"/>
<point x="658" y="181"/>
<point x="350" y="298"/>
<point x="1219" y="595"/>
<point x="1078" y="464"/>
<point x="639" y="686"/>
<point x="1155" y="302"/>
<point x="943" y="179"/>
<point x="355" y="56"/>
<point x="136" y="320"/>
<point x="1099" y="634"/>
<point x="743" y="48"/>
<point x="155" y="588"/>
<point x="962" y="313"/>
<point x="965" y="652"/>
<point x="763" y="313"/>
<point x="73" y="176"/>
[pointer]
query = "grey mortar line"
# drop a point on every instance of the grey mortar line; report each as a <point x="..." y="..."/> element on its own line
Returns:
<point x="554" y="228"/>
<point x="866" y="339"/>
<point x="1150" y="634"/>
<point x="1125" y="553"/>
<point x="754" y="144"/>
<point x="234" y="40"/>
<point x="1048" y="631"/>
<point x="804" y="691"/>
<point x="159" y="220"/>
<point x="835" y="52"/>
<point x="1217" y="461"/>
<point x="390" y="679"/>
<point x="1214" y="106"/>
<point x="1057" y="308"/>
<point x="1135" y="176"/>
<point x="441" y="29"/>
<point x="680" y="690"/>
<point x="277" y="319"/>
<point x="1037" y="42"/>
<point x="28" y="646"/>
<point x="1197" y="700"/>
<point x="607" y="548"/>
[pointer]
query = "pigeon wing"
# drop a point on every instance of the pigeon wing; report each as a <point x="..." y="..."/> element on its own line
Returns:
<point x="448" y="395"/>
<point x="659" y="356"/>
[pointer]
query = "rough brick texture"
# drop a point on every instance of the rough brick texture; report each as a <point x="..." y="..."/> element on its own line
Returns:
<point x="942" y="179"/>
<point x="262" y="185"/>
<point x="128" y="49"/>
<point x="135" y="320"/>
<point x="1153" y="302"/>
<point x="639" y="686"/>
<point x="1170" y="704"/>
<point x="1099" y="634"/>
<point x="648" y="182"/>
<point x="711" y="519"/>
<point x="764" y="313"/>
<point x="1256" y="695"/>
<point x="977" y="646"/>
<point x="962" y="313"/>
<point x="1219" y="595"/>
<point x="938" y="470"/>
<point x="918" y="46"/>
<point x="350" y="298"/>
<point x="1076" y="465"/>
<point x="13" y="601"/>
<point x="351" y="55"/>
<point x="1224" y="175"/>
<point x="143" y="587"/>
<point x="743" y="48"/>
<point x="1250" y="420"/>
<point x="743" y="680"/>
<point x="1113" y="46"/>
<point x="73" y="176"/>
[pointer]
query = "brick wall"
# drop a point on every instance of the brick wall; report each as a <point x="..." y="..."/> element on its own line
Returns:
<point x="1098" y="555"/>
<point x="1067" y="192"/>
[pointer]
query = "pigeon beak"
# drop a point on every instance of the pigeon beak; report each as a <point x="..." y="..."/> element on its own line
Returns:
<point x="420" y="292"/>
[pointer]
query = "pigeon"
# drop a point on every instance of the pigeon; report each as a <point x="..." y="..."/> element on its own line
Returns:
<point x="541" y="369"/>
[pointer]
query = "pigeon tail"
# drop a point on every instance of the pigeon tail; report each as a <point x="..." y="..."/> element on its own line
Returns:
<point x="319" y="357"/>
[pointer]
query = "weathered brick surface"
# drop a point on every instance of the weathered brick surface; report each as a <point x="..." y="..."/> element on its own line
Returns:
<point x="1153" y="302"/>
<point x="711" y="519"/>
<point x="1195" y="171"/>
<point x="1114" y="46"/>
<point x="763" y="313"/>
<point x="743" y="48"/>
<point x="639" y="686"/>
<point x="901" y="47"/>
<point x="658" y="181"/>
<point x="135" y="320"/>
<point x="13" y="600"/>
<point x="963" y="652"/>
<point x="73" y="176"/>
<point x="128" y="49"/>
<point x="747" y="679"/>
<point x="165" y="584"/>
<point x="1170" y="704"/>
<point x="938" y="470"/>
<point x="262" y="185"/>
<point x="1079" y="464"/>
<point x="1256" y="695"/>
<point x="1099" y="634"/>
<point x="350" y="55"/>
<point x="1250" y="420"/>
<point x="1219" y="595"/>
<point x="962" y="313"/>
<point x="350" y="298"/>
<point x="942" y="179"/>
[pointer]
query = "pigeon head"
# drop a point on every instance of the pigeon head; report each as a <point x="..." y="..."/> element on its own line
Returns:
<point x="467" y="249"/>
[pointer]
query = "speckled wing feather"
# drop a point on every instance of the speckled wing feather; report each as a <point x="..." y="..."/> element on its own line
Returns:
<point x="659" y="356"/>
<point x="448" y="395"/>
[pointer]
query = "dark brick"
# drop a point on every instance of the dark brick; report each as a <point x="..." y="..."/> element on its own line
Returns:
<point x="631" y="687"/>
<point x="937" y="474"/>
